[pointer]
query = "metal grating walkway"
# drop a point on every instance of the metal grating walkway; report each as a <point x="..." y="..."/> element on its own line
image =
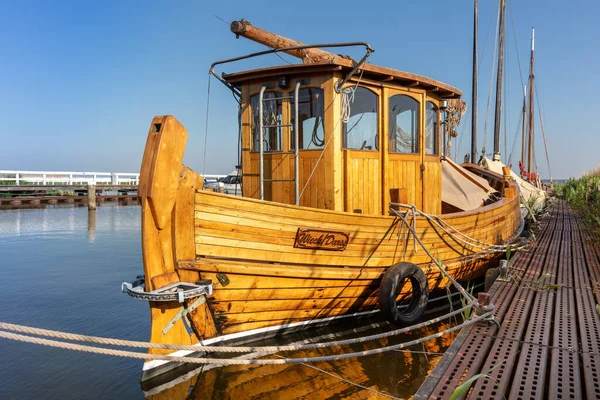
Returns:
<point x="548" y="343"/>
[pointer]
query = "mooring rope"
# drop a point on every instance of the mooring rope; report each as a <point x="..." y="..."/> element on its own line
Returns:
<point x="469" y="297"/>
<point x="223" y="349"/>
<point x="445" y="226"/>
<point x="221" y="361"/>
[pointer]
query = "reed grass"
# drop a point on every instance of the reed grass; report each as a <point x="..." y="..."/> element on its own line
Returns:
<point x="583" y="194"/>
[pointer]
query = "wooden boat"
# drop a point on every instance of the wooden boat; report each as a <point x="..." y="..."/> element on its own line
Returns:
<point x="313" y="234"/>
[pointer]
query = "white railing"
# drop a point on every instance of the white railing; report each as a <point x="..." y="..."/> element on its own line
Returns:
<point x="68" y="178"/>
<point x="77" y="178"/>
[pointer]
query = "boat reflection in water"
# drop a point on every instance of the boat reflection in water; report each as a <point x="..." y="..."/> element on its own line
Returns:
<point x="394" y="374"/>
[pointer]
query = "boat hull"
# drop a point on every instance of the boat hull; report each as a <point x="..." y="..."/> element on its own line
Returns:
<point x="275" y="266"/>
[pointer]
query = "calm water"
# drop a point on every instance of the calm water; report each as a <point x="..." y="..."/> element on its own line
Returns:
<point x="62" y="268"/>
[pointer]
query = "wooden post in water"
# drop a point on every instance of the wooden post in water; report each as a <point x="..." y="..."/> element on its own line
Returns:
<point x="91" y="228"/>
<point x="91" y="197"/>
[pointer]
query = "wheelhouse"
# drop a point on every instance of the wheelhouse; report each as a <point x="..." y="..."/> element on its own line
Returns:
<point x="308" y="141"/>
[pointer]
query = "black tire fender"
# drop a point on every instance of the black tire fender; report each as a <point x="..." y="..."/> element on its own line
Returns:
<point x="390" y="287"/>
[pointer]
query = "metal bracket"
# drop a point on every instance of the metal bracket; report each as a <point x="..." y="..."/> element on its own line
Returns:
<point x="177" y="291"/>
<point x="340" y="85"/>
<point x="223" y="279"/>
<point x="183" y="313"/>
<point x="504" y="276"/>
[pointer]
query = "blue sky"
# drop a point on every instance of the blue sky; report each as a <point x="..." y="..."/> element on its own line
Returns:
<point x="81" y="81"/>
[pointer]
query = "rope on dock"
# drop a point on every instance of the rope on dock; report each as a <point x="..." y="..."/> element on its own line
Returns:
<point x="221" y="361"/>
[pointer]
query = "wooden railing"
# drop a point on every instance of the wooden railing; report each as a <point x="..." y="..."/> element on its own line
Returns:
<point x="48" y="178"/>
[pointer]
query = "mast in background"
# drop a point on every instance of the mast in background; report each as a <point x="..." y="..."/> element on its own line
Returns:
<point x="530" y="165"/>
<point x="523" y="141"/>
<point x="497" y="117"/>
<point x="475" y="76"/>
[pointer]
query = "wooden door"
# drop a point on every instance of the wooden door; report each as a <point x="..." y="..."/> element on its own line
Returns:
<point x="403" y="158"/>
<point x="431" y="150"/>
<point x="361" y="144"/>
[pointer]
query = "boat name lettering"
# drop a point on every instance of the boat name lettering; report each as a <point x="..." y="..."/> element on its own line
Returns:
<point x="322" y="240"/>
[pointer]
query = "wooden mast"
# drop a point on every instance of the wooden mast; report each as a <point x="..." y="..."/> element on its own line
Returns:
<point x="531" y="93"/>
<point x="496" y="156"/>
<point x="269" y="39"/>
<point x="523" y="118"/>
<point x="474" y="102"/>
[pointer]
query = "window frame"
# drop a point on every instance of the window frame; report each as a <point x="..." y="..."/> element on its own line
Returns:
<point x="379" y="110"/>
<point x="419" y="132"/>
<point x="438" y="152"/>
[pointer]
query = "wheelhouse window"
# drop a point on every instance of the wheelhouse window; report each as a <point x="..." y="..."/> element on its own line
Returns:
<point x="311" y="134"/>
<point x="271" y="116"/>
<point x="404" y="124"/>
<point x="432" y="129"/>
<point x="360" y="132"/>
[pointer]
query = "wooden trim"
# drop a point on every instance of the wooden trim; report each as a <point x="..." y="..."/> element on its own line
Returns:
<point x="370" y="71"/>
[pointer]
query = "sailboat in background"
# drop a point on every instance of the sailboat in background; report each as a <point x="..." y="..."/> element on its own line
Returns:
<point x="528" y="181"/>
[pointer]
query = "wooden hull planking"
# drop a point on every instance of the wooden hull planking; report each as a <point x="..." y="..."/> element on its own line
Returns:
<point x="190" y="234"/>
<point x="272" y="283"/>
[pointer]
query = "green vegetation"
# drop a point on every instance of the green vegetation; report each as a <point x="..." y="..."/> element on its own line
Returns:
<point x="4" y="179"/>
<point x="584" y="195"/>
<point x="464" y="302"/>
<point x="464" y="388"/>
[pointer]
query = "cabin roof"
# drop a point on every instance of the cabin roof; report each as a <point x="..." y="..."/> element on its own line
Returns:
<point x="372" y="72"/>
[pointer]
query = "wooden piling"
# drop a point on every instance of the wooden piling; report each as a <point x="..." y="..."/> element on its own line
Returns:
<point x="91" y="193"/>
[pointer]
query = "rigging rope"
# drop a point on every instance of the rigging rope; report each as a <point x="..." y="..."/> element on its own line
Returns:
<point x="206" y="125"/>
<point x="543" y="130"/>
<point x="489" y="100"/>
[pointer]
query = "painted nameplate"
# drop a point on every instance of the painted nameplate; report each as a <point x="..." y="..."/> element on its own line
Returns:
<point x="321" y="240"/>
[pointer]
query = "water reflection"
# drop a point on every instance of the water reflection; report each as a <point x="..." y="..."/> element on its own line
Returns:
<point x="62" y="267"/>
<point x="68" y="219"/>
<point x="91" y="228"/>
<point x="395" y="374"/>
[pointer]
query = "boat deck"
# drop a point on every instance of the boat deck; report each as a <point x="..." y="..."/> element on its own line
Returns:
<point x="548" y="343"/>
